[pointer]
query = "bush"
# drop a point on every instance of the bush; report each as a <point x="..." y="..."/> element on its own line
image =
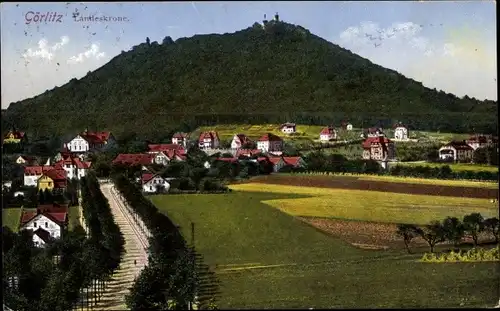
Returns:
<point x="474" y="254"/>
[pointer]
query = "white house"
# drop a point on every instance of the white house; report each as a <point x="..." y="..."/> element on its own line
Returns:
<point x="328" y="133"/>
<point x="32" y="173"/>
<point x="400" y="132"/>
<point x="288" y="128"/>
<point x="180" y="139"/>
<point x="154" y="182"/>
<point x="74" y="167"/>
<point x="349" y="127"/>
<point x="52" y="223"/>
<point x="270" y="143"/>
<point x="209" y="140"/>
<point x="78" y="144"/>
<point x="457" y="151"/>
<point x="239" y="140"/>
<point x="87" y="141"/>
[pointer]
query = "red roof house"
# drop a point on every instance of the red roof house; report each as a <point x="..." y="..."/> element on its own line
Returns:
<point x="209" y="139"/>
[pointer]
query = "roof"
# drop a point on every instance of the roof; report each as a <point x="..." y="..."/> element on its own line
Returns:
<point x="376" y="140"/>
<point x="166" y="148"/>
<point x="37" y="170"/>
<point x="134" y="158"/>
<point x="270" y="137"/>
<point x="459" y="145"/>
<point x="58" y="175"/>
<point x="288" y="124"/>
<point x="247" y="152"/>
<point x="180" y="135"/>
<point x="146" y="177"/>
<point x="294" y="161"/>
<point x="211" y="135"/>
<point x="329" y="130"/>
<point x="28" y="158"/>
<point x="243" y="138"/>
<point x="399" y="124"/>
<point x="275" y="160"/>
<point x="373" y="130"/>
<point x="72" y="160"/>
<point x="57" y="217"/>
<point x="44" y="235"/>
<point x="95" y="137"/>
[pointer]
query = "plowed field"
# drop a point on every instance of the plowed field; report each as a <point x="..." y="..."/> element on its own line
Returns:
<point x="354" y="183"/>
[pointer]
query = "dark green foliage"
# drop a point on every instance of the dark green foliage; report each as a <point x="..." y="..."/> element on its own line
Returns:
<point x="408" y="233"/>
<point x="454" y="230"/>
<point x="255" y="75"/>
<point x="473" y="225"/>
<point x="493" y="226"/>
<point x="433" y="233"/>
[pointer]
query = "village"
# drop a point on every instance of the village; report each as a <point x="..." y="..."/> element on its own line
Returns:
<point x="72" y="162"/>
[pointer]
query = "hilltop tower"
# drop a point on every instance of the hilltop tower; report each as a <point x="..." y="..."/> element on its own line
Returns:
<point x="265" y="20"/>
<point x="276" y="17"/>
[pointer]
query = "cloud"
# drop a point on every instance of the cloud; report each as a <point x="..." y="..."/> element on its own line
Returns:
<point x="462" y="62"/>
<point x="92" y="52"/>
<point x="45" y="51"/>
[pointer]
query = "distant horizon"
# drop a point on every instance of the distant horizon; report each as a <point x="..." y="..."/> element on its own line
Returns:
<point x="450" y="46"/>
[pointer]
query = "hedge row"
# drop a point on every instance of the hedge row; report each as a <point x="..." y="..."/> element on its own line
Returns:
<point x="473" y="255"/>
<point x="105" y="239"/>
<point x="170" y="276"/>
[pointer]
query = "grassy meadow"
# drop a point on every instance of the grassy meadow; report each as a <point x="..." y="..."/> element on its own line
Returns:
<point x="11" y="217"/>
<point x="265" y="258"/>
<point x="73" y="217"/>
<point x="370" y="206"/>
<point x="254" y="132"/>
<point x="453" y="166"/>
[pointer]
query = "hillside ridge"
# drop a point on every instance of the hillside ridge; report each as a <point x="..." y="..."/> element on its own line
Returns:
<point x="262" y="74"/>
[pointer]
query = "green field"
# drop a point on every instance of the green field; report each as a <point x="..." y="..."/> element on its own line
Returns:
<point x="373" y="206"/>
<point x="254" y="132"/>
<point x="11" y="217"/>
<point x="265" y="258"/>
<point x="453" y="166"/>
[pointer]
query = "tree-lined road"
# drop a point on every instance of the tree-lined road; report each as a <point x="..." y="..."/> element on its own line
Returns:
<point x="135" y="250"/>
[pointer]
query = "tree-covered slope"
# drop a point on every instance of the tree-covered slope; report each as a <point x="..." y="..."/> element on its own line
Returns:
<point x="260" y="74"/>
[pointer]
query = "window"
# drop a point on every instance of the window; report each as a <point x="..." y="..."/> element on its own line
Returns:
<point x="34" y="224"/>
<point x="46" y="224"/>
<point x="50" y="184"/>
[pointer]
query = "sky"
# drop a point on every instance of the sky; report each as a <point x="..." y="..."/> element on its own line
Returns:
<point x="450" y="46"/>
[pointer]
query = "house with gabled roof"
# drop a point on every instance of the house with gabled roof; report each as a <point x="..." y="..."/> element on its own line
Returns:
<point x="288" y="128"/>
<point x="346" y="126"/>
<point x="378" y="148"/>
<point x="209" y="140"/>
<point x="74" y="167"/>
<point x="280" y="162"/>
<point x="270" y="143"/>
<point x="33" y="173"/>
<point x="54" y="223"/>
<point x="458" y="151"/>
<point x="327" y="134"/>
<point x="164" y="153"/>
<point x="479" y="141"/>
<point x="373" y="132"/>
<point x="153" y="183"/>
<point x="55" y="179"/>
<point x="180" y="138"/>
<point x="247" y="152"/>
<point x="28" y="160"/>
<point x="89" y="141"/>
<point x="239" y="140"/>
<point x="401" y="132"/>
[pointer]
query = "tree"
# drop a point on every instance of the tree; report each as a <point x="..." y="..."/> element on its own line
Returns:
<point x="480" y="156"/>
<point x="432" y="234"/>
<point x="473" y="224"/>
<point x="49" y="198"/>
<point x="408" y="233"/>
<point x="148" y="42"/>
<point x="454" y="230"/>
<point x="41" y="197"/>
<point x="492" y="225"/>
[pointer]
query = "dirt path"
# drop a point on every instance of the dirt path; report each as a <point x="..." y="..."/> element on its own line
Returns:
<point x="135" y="249"/>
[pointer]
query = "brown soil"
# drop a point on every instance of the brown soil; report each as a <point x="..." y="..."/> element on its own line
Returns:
<point x="371" y="235"/>
<point x="354" y="183"/>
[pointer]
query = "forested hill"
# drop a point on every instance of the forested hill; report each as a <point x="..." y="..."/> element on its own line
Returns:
<point x="276" y="73"/>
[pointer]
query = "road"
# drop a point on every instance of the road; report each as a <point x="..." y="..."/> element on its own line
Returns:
<point x="135" y="249"/>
